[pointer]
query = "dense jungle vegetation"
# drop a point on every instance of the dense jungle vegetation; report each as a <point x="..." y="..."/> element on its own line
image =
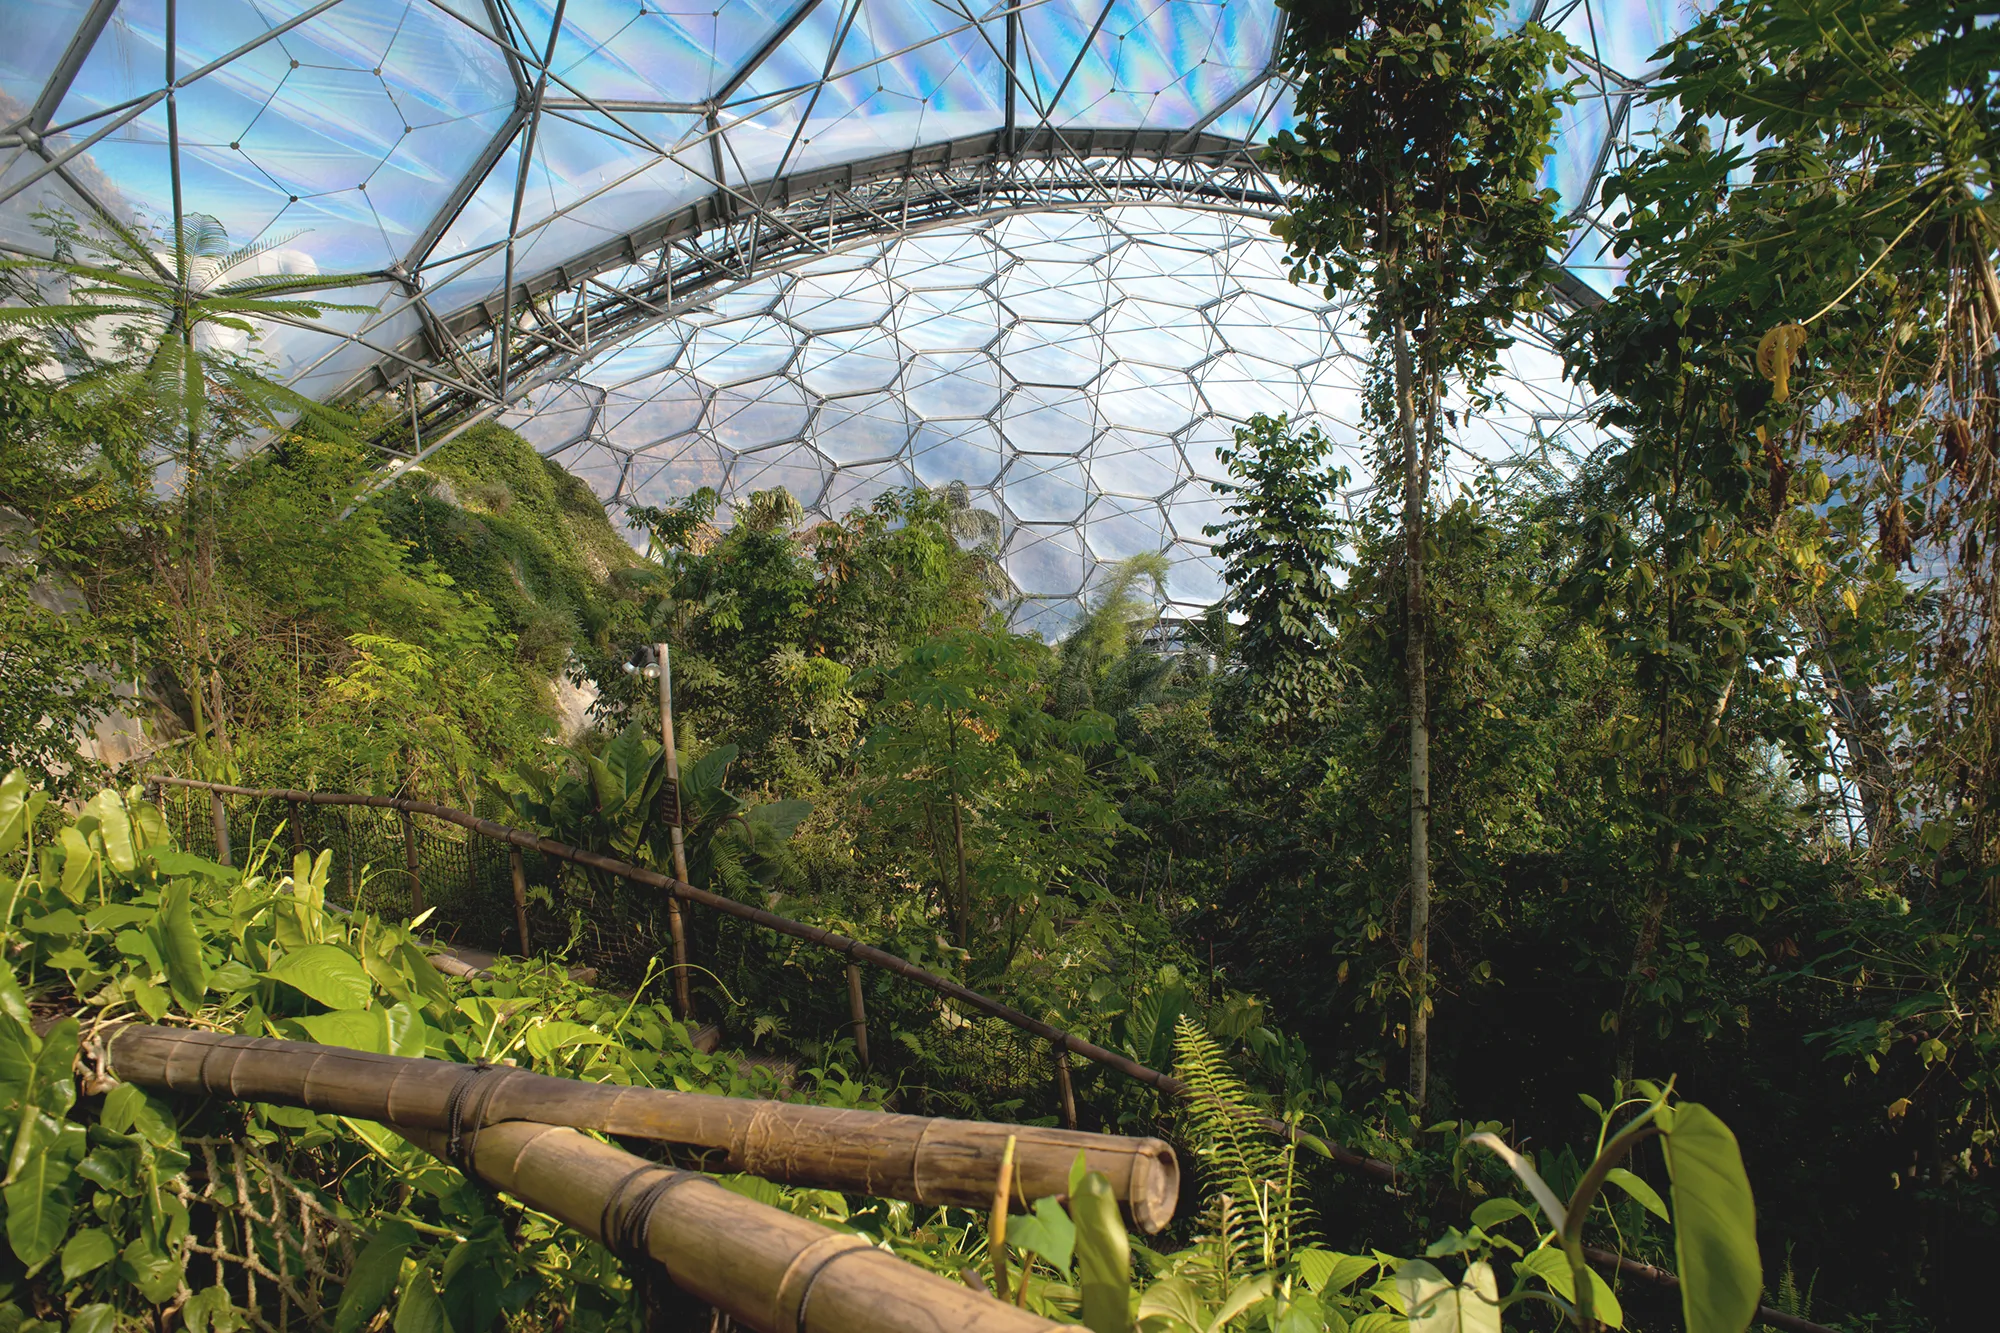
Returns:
<point x="1470" y="812"/>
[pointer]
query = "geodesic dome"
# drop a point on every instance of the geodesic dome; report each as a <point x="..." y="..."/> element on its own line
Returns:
<point x="1075" y="371"/>
<point x="829" y="244"/>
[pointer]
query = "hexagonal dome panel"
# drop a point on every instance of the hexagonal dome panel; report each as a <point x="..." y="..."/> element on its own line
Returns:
<point x="1091" y="442"/>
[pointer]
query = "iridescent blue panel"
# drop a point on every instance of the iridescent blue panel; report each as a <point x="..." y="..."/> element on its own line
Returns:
<point x="372" y="135"/>
<point x="1145" y="66"/>
<point x="128" y="61"/>
<point x="673" y="52"/>
<point x="1622" y="35"/>
<point x="1580" y="141"/>
<point x="38" y="32"/>
<point x="905" y="73"/>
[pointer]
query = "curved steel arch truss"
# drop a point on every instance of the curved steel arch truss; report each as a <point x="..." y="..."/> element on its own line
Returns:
<point x="567" y="314"/>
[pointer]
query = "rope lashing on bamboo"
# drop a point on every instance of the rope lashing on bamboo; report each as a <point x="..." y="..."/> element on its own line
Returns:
<point x="855" y="950"/>
<point x="796" y="1288"/>
<point x="917" y="1158"/>
<point x="763" y="1267"/>
<point x="462" y="1141"/>
<point x="826" y="939"/>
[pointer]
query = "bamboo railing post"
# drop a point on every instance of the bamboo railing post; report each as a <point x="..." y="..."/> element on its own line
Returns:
<point x="218" y="816"/>
<point x="347" y="855"/>
<point x="1065" y="1094"/>
<point x="294" y="817"/>
<point x="410" y="863"/>
<point x="676" y="920"/>
<point x="471" y="868"/>
<point x="520" y="898"/>
<point x="858" y="1014"/>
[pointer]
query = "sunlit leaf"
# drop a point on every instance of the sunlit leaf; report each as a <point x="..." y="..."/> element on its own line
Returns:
<point x="326" y="973"/>
<point x="1715" y="1235"/>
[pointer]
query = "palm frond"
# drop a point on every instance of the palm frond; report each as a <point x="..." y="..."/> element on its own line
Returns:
<point x="63" y="316"/>
<point x="122" y="279"/>
<point x="255" y="307"/>
<point x="282" y="284"/>
<point x="243" y="254"/>
<point x="202" y="237"/>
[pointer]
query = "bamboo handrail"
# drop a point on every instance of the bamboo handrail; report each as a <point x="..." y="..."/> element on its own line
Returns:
<point x="826" y="939"/>
<point x="922" y="1159"/>
<point x="855" y="950"/>
<point x="766" y="1268"/>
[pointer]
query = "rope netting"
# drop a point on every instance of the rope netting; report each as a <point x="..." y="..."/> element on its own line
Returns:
<point x="766" y="992"/>
<point x="263" y="1235"/>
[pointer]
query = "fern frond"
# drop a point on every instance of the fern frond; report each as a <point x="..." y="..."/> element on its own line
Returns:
<point x="1254" y="1177"/>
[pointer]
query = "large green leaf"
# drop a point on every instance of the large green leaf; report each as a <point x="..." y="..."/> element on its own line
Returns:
<point x="326" y="973"/>
<point x="130" y="1109"/>
<point x="421" y="1310"/>
<point x="153" y="1273"/>
<point x="373" y="1278"/>
<point x="409" y="1035"/>
<point x="114" y="830"/>
<point x="18" y="1049"/>
<point x="1715" y="1232"/>
<point x="19" y="808"/>
<point x="1103" y="1256"/>
<point x="180" y="947"/>
<point x="13" y="1000"/>
<point x="54" y="1085"/>
<point x="86" y="1252"/>
<point x="356" y="1029"/>
<point x="782" y="818"/>
<point x="98" y="1317"/>
<point x="1648" y="1197"/>
<point x="1047" y="1231"/>
<point x="1171" y="1305"/>
<point x="545" y="1039"/>
<point x="1552" y="1266"/>
<point x="78" y="861"/>
<point x="1436" y="1305"/>
<point x="39" y="1202"/>
<point x="1320" y="1269"/>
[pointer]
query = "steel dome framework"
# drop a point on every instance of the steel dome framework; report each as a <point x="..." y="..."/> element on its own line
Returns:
<point x="536" y="195"/>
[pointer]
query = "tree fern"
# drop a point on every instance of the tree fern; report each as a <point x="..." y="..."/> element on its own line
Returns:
<point x="1253" y="1212"/>
<point x="173" y="311"/>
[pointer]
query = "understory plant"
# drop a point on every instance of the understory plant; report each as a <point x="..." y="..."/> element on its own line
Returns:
<point x="106" y="921"/>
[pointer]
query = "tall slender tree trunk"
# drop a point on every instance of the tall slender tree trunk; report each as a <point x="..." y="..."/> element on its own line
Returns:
<point x="1653" y="916"/>
<point x="1415" y="668"/>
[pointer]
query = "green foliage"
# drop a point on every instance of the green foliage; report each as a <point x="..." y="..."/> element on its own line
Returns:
<point x="181" y="313"/>
<point x="74" y="505"/>
<point x="109" y="921"/>
<point x="1419" y="150"/>
<point x="1254" y="1206"/>
<point x="615" y="801"/>
<point x="1715" y="1227"/>
<point x="1282" y="548"/>
<point x="770" y="627"/>
<point x="964" y="765"/>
